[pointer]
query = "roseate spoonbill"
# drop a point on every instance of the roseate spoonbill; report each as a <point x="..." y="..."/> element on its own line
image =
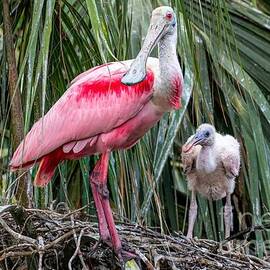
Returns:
<point x="106" y="108"/>
<point x="211" y="162"/>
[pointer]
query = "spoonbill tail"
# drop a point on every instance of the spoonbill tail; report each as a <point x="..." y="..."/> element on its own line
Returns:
<point x="211" y="162"/>
<point x="106" y="108"/>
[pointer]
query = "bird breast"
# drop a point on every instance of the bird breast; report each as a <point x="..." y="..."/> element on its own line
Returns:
<point x="206" y="161"/>
<point x="209" y="178"/>
<point x="213" y="186"/>
<point x="211" y="170"/>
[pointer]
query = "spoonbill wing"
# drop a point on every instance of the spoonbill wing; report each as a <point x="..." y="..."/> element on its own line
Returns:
<point x="96" y="102"/>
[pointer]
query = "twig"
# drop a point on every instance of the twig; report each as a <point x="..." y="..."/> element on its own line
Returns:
<point x="40" y="252"/>
<point x="15" y="264"/>
<point x="77" y="242"/>
<point x="59" y="239"/>
<point x="6" y="208"/>
<point x="172" y="250"/>
<point x="75" y="211"/>
<point x="145" y="260"/>
<point x="14" y="247"/>
<point x="260" y="261"/>
<point x="40" y="260"/>
<point x="44" y="211"/>
<point x="263" y="227"/>
<point x="16" y="254"/>
<point x="77" y="251"/>
<point x="17" y="235"/>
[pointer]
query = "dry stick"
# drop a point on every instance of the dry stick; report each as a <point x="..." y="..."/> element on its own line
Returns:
<point x="40" y="252"/>
<point x="17" y="235"/>
<point x="258" y="260"/>
<point x="15" y="265"/>
<point x="16" y="254"/>
<point x="75" y="211"/>
<point x="43" y="211"/>
<point x="56" y="256"/>
<point x="77" y="251"/>
<point x="195" y="248"/>
<point x="40" y="260"/>
<point x="145" y="260"/>
<point x="15" y="97"/>
<point x="181" y="251"/>
<point x="20" y="246"/>
<point x="77" y="242"/>
<point x="59" y="239"/>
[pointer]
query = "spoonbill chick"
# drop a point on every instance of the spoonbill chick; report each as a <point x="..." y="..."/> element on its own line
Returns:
<point x="211" y="162"/>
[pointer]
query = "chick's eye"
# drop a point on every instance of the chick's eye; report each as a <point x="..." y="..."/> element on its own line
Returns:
<point x="206" y="134"/>
<point x="169" y="16"/>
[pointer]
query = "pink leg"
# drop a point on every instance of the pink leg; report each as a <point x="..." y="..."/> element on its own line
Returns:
<point x="101" y="197"/>
<point x="102" y="223"/>
<point x="228" y="216"/>
<point x="192" y="214"/>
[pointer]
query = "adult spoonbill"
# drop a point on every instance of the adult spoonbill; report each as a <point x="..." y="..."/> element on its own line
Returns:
<point x="211" y="162"/>
<point x="106" y="108"/>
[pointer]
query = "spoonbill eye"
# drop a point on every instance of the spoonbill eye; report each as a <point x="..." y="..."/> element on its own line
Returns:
<point x="207" y="134"/>
<point x="169" y="15"/>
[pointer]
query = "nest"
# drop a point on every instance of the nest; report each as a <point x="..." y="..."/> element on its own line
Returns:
<point x="45" y="239"/>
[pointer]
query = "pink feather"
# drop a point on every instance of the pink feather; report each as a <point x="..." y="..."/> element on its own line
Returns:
<point x="95" y="103"/>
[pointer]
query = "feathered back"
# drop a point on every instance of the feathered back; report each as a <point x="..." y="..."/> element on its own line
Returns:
<point x="229" y="152"/>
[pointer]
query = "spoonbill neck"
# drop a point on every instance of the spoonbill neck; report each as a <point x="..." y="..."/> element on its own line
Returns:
<point x="167" y="54"/>
<point x="170" y="82"/>
<point x="206" y="160"/>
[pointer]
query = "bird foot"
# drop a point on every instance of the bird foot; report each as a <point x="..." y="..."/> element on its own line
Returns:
<point x="189" y="236"/>
<point x="94" y="248"/>
<point x="126" y="255"/>
<point x="123" y="254"/>
<point x="102" y="240"/>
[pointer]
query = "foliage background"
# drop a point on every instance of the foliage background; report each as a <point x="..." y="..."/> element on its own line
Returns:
<point x="224" y="48"/>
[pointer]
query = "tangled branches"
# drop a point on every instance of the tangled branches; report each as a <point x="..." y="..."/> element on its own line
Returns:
<point x="44" y="239"/>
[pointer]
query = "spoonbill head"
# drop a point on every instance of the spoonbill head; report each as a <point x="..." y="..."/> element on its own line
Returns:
<point x="205" y="136"/>
<point x="163" y="22"/>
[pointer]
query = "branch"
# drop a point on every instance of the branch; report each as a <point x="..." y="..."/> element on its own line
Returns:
<point x="17" y="235"/>
<point x="16" y="254"/>
<point x="78" y="252"/>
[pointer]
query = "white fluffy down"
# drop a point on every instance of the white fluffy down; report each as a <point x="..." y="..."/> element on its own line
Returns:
<point x="211" y="170"/>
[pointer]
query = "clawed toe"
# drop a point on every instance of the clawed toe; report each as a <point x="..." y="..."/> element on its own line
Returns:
<point x="94" y="248"/>
<point x="104" y="240"/>
<point x="125" y="256"/>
